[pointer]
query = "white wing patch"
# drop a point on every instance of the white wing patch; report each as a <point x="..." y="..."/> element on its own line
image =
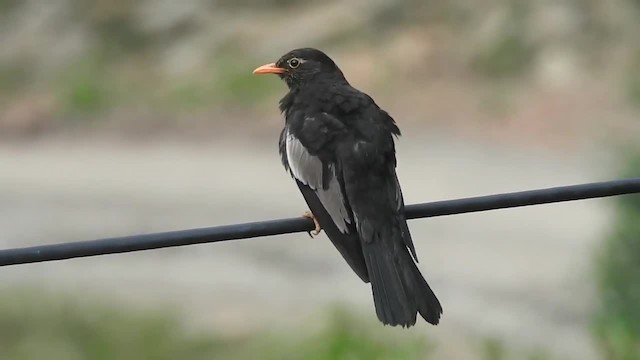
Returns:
<point x="304" y="166"/>
<point x="333" y="201"/>
<point x="308" y="170"/>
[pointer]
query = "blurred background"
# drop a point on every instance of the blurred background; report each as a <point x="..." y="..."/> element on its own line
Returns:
<point x="121" y="117"/>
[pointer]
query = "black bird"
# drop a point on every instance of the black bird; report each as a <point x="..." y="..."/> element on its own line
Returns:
<point x="338" y="145"/>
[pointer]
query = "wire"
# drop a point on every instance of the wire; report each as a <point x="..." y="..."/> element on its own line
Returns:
<point x="293" y="225"/>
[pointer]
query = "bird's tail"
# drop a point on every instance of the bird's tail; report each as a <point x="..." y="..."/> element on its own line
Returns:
<point x="399" y="289"/>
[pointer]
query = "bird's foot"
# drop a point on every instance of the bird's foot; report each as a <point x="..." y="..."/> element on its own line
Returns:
<point x="318" y="228"/>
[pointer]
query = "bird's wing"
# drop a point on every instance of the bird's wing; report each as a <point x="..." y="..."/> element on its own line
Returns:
<point x="375" y="198"/>
<point x="320" y="182"/>
<point x="320" y="177"/>
<point x="399" y="290"/>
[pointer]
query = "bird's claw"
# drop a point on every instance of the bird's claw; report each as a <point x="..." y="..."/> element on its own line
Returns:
<point x="318" y="228"/>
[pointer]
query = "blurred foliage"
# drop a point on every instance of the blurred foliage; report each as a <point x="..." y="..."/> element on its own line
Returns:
<point x="115" y="25"/>
<point x="508" y="55"/>
<point x="617" y="321"/>
<point x="496" y="349"/>
<point x="164" y="58"/>
<point x="37" y="326"/>
<point x="229" y="84"/>
<point x="14" y="76"/>
<point x="236" y="84"/>
<point x="85" y="88"/>
<point x="268" y="4"/>
<point x="40" y="326"/>
<point x="188" y="95"/>
<point x="633" y="79"/>
<point x="401" y="13"/>
<point x="493" y="349"/>
<point x="510" y="52"/>
<point x="91" y="86"/>
<point x="6" y="6"/>
<point x="347" y="337"/>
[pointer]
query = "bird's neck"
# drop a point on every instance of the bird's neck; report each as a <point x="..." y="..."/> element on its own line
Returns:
<point x="317" y="80"/>
<point x="310" y="89"/>
<point x="288" y="100"/>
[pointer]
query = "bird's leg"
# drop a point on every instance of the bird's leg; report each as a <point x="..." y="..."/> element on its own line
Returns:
<point x="318" y="228"/>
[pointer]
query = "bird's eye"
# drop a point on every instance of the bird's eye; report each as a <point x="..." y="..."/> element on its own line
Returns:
<point x="294" y="63"/>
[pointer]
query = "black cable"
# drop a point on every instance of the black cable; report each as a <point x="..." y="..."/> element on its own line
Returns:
<point x="293" y="225"/>
<point x="524" y="198"/>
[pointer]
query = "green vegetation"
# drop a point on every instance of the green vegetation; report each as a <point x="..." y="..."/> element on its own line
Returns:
<point x="509" y="53"/>
<point x="347" y="337"/>
<point x="633" y="79"/>
<point x="493" y="349"/>
<point x="92" y="86"/>
<point x="237" y="84"/>
<point x="229" y="84"/>
<point x="496" y="349"/>
<point x="39" y="326"/>
<point x="138" y="49"/>
<point x="115" y="26"/>
<point x="6" y="6"/>
<point x="617" y="321"/>
<point x="33" y="326"/>
<point x="84" y="88"/>
<point x="14" y="76"/>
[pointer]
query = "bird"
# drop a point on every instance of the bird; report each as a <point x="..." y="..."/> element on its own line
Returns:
<point x="339" y="147"/>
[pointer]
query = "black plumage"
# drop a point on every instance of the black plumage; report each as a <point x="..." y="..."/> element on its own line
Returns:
<point x="339" y="147"/>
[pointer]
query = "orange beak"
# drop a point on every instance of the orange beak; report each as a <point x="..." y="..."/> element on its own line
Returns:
<point x="269" y="69"/>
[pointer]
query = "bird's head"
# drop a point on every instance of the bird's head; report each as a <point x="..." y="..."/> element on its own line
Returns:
<point x="301" y="66"/>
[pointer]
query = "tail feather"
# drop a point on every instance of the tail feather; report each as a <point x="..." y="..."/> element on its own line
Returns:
<point x="394" y="305"/>
<point x="428" y="305"/>
<point x="399" y="290"/>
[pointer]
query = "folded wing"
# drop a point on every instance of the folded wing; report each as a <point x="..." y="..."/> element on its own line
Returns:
<point x="320" y="184"/>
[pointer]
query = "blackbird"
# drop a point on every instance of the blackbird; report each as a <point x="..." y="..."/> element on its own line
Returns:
<point x="339" y="147"/>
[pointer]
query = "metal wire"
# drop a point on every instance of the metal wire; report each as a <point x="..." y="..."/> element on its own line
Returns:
<point x="293" y="225"/>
